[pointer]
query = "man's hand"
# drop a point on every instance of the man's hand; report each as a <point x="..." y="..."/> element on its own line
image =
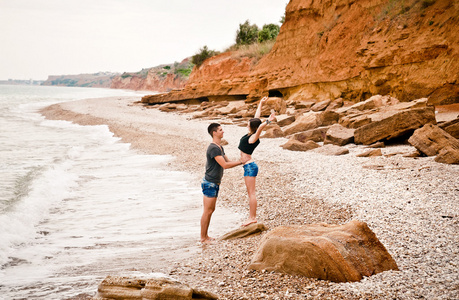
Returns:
<point x="244" y="160"/>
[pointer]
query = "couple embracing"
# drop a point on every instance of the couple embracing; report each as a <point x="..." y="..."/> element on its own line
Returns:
<point x="217" y="161"/>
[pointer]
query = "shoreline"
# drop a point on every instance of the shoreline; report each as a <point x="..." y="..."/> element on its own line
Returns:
<point x="410" y="204"/>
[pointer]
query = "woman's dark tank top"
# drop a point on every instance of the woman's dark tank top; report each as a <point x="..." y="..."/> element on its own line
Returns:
<point x="245" y="146"/>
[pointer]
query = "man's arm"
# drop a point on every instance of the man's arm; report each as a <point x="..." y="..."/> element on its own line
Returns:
<point x="227" y="164"/>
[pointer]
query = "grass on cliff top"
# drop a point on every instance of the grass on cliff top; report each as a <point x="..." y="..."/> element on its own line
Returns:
<point x="256" y="50"/>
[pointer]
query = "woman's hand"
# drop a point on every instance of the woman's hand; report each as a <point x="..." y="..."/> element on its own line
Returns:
<point x="258" y="112"/>
<point x="272" y="117"/>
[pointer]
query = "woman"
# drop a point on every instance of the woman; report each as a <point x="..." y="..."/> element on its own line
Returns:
<point x="247" y="145"/>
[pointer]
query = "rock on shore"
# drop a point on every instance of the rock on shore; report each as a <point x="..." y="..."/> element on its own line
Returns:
<point x="338" y="253"/>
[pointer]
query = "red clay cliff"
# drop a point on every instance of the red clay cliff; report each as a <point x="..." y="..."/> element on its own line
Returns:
<point x="343" y="49"/>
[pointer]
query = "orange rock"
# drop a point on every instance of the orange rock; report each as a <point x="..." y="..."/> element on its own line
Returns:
<point x="339" y="135"/>
<point x="338" y="253"/>
<point x="274" y="131"/>
<point x="452" y="127"/>
<point x="316" y="135"/>
<point x="370" y="153"/>
<point x="432" y="140"/>
<point x="148" y="287"/>
<point x="295" y="145"/>
<point x="393" y="124"/>
<point x="302" y="123"/>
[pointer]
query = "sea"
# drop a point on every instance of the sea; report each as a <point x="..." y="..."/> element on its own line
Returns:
<point x="77" y="204"/>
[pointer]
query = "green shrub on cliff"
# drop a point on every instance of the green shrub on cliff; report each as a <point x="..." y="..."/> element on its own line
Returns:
<point x="184" y="72"/>
<point x="268" y="33"/>
<point x="183" y="69"/>
<point x="252" y="42"/>
<point x="247" y="34"/>
<point x="203" y="54"/>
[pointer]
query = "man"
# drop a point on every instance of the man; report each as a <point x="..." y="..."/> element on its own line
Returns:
<point x="217" y="161"/>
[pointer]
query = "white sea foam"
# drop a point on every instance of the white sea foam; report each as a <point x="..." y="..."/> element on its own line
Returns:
<point x="17" y="226"/>
<point x="76" y="204"/>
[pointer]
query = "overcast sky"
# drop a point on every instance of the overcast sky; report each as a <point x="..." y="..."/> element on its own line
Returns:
<point x="57" y="37"/>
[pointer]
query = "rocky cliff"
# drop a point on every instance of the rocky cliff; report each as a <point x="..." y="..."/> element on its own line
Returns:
<point x="162" y="78"/>
<point x="347" y="49"/>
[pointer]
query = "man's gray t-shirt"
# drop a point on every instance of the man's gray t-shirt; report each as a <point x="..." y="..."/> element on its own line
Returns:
<point x="214" y="172"/>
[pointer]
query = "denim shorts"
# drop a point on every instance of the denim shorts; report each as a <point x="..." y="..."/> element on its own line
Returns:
<point x="251" y="170"/>
<point x="209" y="189"/>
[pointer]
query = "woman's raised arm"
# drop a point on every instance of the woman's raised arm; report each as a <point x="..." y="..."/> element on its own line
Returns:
<point x="254" y="137"/>
<point x="258" y="112"/>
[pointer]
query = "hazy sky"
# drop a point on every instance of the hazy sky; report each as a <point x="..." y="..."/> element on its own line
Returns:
<point x="57" y="37"/>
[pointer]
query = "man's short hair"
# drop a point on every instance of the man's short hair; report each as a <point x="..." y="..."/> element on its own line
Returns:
<point x="212" y="128"/>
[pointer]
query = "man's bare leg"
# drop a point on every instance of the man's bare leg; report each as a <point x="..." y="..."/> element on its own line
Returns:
<point x="209" y="208"/>
<point x="250" y="184"/>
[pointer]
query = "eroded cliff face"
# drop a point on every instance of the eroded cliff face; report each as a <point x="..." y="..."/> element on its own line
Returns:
<point x="152" y="82"/>
<point x="163" y="78"/>
<point x="354" y="49"/>
<point x="344" y="48"/>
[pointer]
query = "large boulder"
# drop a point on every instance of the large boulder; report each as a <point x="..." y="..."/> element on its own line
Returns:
<point x="274" y="131"/>
<point x="373" y="102"/>
<point x="394" y="123"/>
<point x="316" y="135"/>
<point x="167" y="107"/>
<point x="231" y="107"/>
<point x="226" y="110"/>
<point x="370" y="153"/>
<point x="303" y="104"/>
<point x="322" y="105"/>
<point x="339" y="135"/>
<point x="284" y="120"/>
<point x="339" y="253"/>
<point x="148" y="287"/>
<point x="432" y="140"/>
<point x="335" y="104"/>
<point x="295" y="145"/>
<point x="448" y="155"/>
<point x="374" y="109"/>
<point x="354" y="120"/>
<point x="328" y="117"/>
<point x="304" y="122"/>
<point x="332" y="150"/>
<point x="274" y="103"/>
<point x="452" y="127"/>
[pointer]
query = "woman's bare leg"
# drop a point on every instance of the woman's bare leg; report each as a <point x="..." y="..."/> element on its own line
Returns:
<point x="250" y="184"/>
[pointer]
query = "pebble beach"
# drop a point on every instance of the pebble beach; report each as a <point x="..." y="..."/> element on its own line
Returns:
<point x="411" y="204"/>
